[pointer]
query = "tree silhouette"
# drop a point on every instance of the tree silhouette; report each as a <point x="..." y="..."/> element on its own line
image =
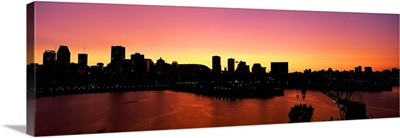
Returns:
<point x="301" y="113"/>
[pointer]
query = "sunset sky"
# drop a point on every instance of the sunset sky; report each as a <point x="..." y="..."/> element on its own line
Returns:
<point x="316" y="40"/>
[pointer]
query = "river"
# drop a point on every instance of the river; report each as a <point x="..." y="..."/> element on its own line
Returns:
<point x="155" y="110"/>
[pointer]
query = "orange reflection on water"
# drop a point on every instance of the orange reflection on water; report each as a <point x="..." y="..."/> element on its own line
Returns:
<point x="155" y="110"/>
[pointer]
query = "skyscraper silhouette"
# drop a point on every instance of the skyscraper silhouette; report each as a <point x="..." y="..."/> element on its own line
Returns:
<point x="216" y="64"/>
<point x="358" y="69"/>
<point x="63" y="55"/>
<point x="117" y="54"/>
<point x="231" y="65"/>
<point x="82" y="60"/>
<point x="49" y="57"/>
<point x="160" y="67"/>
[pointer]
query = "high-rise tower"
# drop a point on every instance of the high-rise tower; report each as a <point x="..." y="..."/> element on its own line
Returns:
<point x="63" y="55"/>
<point x="117" y="54"/>
<point x="216" y="64"/>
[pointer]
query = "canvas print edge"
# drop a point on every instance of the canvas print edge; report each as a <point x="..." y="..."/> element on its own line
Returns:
<point x="30" y="79"/>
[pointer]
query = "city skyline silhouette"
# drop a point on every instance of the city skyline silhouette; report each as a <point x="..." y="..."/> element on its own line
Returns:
<point x="58" y="73"/>
<point x="222" y="68"/>
<point x="316" y="40"/>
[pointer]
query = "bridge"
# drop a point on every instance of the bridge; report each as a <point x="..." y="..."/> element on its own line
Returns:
<point x="348" y="107"/>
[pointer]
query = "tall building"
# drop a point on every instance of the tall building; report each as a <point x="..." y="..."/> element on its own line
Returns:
<point x="117" y="54"/>
<point x="160" y="67"/>
<point x="279" y="70"/>
<point x="63" y="55"/>
<point x="138" y="63"/>
<point x="216" y="64"/>
<point x="49" y="57"/>
<point x="358" y="69"/>
<point x="231" y="65"/>
<point x="82" y="60"/>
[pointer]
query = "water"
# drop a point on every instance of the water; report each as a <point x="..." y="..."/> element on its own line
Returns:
<point x="154" y="110"/>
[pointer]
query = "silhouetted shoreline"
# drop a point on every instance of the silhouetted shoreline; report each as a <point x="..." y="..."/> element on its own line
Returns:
<point x="205" y="91"/>
<point x="195" y="89"/>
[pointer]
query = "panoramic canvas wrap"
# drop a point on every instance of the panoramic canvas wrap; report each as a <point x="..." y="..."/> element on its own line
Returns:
<point x="99" y="68"/>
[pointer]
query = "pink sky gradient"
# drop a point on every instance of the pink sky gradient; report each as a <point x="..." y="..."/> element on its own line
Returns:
<point x="316" y="40"/>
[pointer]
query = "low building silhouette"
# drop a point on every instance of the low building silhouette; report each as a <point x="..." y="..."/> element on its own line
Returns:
<point x="279" y="70"/>
<point x="368" y="70"/>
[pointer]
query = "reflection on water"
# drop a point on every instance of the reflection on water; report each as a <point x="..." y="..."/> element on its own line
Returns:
<point x="153" y="110"/>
